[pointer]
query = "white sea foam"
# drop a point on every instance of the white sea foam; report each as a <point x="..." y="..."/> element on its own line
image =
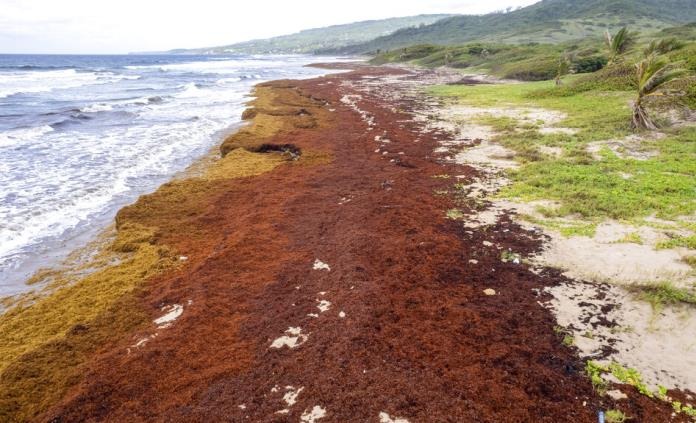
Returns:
<point x="95" y="108"/>
<point x="189" y="90"/>
<point x="18" y="136"/>
<point x="43" y="81"/>
<point x="57" y="182"/>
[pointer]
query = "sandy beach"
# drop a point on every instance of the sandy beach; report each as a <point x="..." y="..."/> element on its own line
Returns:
<point x="314" y="272"/>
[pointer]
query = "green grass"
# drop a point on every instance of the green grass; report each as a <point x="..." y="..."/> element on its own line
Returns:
<point x="594" y="371"/>
<point x="595" y="115"/>
<point x="665" y="293"/>
<point x="567" y="229"/>
<point x="690" y="260"/>
<point x="680" y="241"/>
<point x="455" y="214"/>
<point x="632" y="238"/>
<point x="631" y="377"/>
<point x="594" y="189"/>
<point x="615" y="416"/>
<point x="625" y="375"/>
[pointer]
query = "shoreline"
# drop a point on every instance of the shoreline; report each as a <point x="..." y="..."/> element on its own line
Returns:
<point x="27" y="277"/>
<point x="79" y="219"/>
<point x="313" y="255"/>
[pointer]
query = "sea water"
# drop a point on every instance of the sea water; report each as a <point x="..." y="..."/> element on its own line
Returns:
<point x="82" y="136"/>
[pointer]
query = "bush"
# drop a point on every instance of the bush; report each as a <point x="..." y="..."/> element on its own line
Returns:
<point x="617" y="77"/>
<point x="589" y="64"/>
<point x="685" y="55"/>
<point x="418" y="52"/>
<point x="537" y="69"/>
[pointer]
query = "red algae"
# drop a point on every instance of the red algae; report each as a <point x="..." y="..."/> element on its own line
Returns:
<point x="345" y="251"/>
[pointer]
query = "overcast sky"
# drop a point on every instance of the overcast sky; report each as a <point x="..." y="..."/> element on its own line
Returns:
<point x="121" y="26"/>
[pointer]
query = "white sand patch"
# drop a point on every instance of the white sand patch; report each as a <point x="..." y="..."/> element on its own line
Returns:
<point x="313" y="415"/>
<point x="320" y="265"/>
<point x="616" y="394"/>
<point x="631" y="147"/>
<point x="342" y="315"/>
<point x="489" y="292"/>
<point x="485" y="218"/>
<point x="313" y="315"/>
<point x="173" y="312"/>
<point x="323" y="305"/>
<point x="604" y="258"/>
<point x="545" y="120"/>
<point x="242" y="406"/>
<point x="488" y="155"/>
<point x="293" y="338"/>
<point x="142" y="342"/>
<point x="291" y="395"/>
<point x="386" y="418"/>
<point x="660" y="346"/>
<point x="352" y="102"/>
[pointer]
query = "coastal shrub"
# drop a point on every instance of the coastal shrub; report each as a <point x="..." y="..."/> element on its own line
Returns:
<point x="686" y="57"/>
<point x="537" y="69"/>
<point x="417" y="52"/>
<point x="616" y="77"/>
<point x="589" y="64"/>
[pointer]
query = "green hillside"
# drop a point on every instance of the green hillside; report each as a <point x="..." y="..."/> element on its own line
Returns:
<point x="312" y="40"/>
<point x="549" y="21"/>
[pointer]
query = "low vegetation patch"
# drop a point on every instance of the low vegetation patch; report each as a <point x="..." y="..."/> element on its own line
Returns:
<point x="615" y="416"/>
<point x="661" y="185"/>
<point x="595" y="372"/>
<point x="679" y="241"/>
<point x="665" y="293"/>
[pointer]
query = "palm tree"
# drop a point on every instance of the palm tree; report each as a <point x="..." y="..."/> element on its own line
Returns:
<point x="563" y="69"/>
<point x="619" y="43"/>
<point x="652" y="73"/>
<point x="663" y="46"/>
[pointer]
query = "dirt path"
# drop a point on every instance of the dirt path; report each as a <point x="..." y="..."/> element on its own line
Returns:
<point x="340" y="292"/>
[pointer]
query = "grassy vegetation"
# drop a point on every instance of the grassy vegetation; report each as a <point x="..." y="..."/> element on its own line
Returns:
<point x="679" y="241"/>
<point x="535" y="62"/>
<point x="615" y="416"/>
<point x="661" y="185"/>
<point x="550" y="21"/>
<point x="665" y="293"/>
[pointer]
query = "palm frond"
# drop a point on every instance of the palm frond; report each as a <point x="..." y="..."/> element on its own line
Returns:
<point x="608" y="38"/>
<point x="663" y="46"/>
<point x="655" y="71"/>
<point x="658" y="80"/>
<point x="622" y="41"/>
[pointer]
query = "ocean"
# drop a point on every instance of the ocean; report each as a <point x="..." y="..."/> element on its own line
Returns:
<point x="82" y="136"/>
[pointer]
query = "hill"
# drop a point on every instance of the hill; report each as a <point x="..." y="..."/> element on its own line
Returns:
<point x="549" y="21"/>
<point x="312" y="40"/>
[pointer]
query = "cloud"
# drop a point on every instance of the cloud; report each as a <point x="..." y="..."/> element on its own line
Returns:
<point x="88" y="26"/>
